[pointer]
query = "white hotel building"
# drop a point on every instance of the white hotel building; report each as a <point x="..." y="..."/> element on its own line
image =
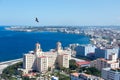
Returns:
<point x="41" y="61"/>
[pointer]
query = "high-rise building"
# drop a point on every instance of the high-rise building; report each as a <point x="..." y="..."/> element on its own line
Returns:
<point x="29" y="61"/>
<point x="63" y="60"/>
<point x="119" y="51"/>
<point x="105" y="52"/>
<point x="42" y="64"/>
<point x="84" y="50"/>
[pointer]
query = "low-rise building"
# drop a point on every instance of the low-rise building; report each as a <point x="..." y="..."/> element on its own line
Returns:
<point x="100" y="63"/>
<point x="83" y="64"/>
<point x="83" y="76"/>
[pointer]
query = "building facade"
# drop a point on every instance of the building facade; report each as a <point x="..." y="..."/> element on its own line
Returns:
<point x="42" y="64"/>
<point x="110" y="74"/>
<point x="83" y="63"/>
<point x="83" y="76"/>
<point x="105" y="52"/>
<point x="100" y="63"/>
<point x="29" y="61"/>
<point x="63" y="60"/>
<point x="84" y="50"/>
<point x="41" y="61"/>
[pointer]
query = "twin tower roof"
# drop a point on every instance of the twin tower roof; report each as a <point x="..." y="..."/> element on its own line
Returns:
<point x="38" y="46"/>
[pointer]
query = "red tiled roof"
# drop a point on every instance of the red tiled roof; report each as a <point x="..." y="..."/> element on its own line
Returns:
<point x="82" y="63"/>
<point x="30" y="74"/>
<point x="75" y="74"/>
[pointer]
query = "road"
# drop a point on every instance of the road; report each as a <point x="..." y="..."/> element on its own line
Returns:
<point x="5" y="64"/>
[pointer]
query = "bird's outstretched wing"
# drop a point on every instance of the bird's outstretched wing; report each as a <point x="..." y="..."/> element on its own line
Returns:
<point x="36" y="19"/>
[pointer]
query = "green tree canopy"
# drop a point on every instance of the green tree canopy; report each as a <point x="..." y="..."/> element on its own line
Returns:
<point x="72" y="64"/>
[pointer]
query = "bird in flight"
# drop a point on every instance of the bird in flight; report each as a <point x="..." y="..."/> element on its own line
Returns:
<point x="36" y="19"/>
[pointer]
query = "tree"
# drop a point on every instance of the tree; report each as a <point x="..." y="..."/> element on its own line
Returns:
<point x="11" y="71"/>
<point x="62" y="68"/>
<point x="93" y="71"/>
<point x="63" y="77"/>
<point x="25" y="78"/>
<point x="90" y="70"/>
<point x="49" y="68"/>
<point x="72" y="64"/>
<point x="67" y="70"/>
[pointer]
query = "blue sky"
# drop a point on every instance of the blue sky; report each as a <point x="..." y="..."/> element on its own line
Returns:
<point x="60" y="12"/>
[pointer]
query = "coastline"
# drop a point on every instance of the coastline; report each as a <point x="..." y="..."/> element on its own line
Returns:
<point x="5" y="64"/>
<point x="72" y="30"/>
<point x="16" y="49"/>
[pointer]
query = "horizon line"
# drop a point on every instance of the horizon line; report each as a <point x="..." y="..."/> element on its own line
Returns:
<point x="64" y="25"/>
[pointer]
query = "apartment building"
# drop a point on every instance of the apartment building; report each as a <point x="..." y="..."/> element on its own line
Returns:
<point x="105" y="52"/>
<point x="111" y="74"/>
<point x="84" y="50"/>
<point x="84" y="76"/>
<point x="100" y="63"/>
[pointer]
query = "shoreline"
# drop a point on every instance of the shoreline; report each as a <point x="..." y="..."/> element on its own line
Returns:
<point x="72" y="30"/>
<point x="5" y="64"/>
<point x="66" y="42"/>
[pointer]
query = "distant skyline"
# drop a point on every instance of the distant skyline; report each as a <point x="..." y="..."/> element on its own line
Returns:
<point x="60" y="12"/>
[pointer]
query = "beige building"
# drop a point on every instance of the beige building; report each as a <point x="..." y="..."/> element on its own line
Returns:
<point x="63" y="60"/>
<point x="100" y="63"/>
<point x="42" y="64"/>
<point x="29" y="61"/>
<point x="41" y="61"/>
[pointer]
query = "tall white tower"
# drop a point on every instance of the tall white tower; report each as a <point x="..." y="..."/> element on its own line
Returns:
<point x="38" y="49"/>
<point x="59" y="47"/>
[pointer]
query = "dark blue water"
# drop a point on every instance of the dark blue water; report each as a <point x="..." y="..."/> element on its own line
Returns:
<point x="14" y="44"/>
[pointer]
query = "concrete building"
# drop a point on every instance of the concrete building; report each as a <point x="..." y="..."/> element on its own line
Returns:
<point x="119" y="51"/>
<point x="29" y="61"/>
<point x="42" y="64"/>
<point x="41" y="61"/>
<point x="83" y="76"/>
<point x="84" y="50"/>
<point x="100" y="63"/>
<point x="83" y="63"/>
<point x="110" y="74"/>
<point x="105" y="52"/>
<point x="63" y="60"/>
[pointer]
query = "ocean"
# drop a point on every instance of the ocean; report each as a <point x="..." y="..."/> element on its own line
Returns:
<point x="14" y="44"/>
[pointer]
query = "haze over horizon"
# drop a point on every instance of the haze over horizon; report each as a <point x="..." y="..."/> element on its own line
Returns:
<point x="60" y="12"/>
